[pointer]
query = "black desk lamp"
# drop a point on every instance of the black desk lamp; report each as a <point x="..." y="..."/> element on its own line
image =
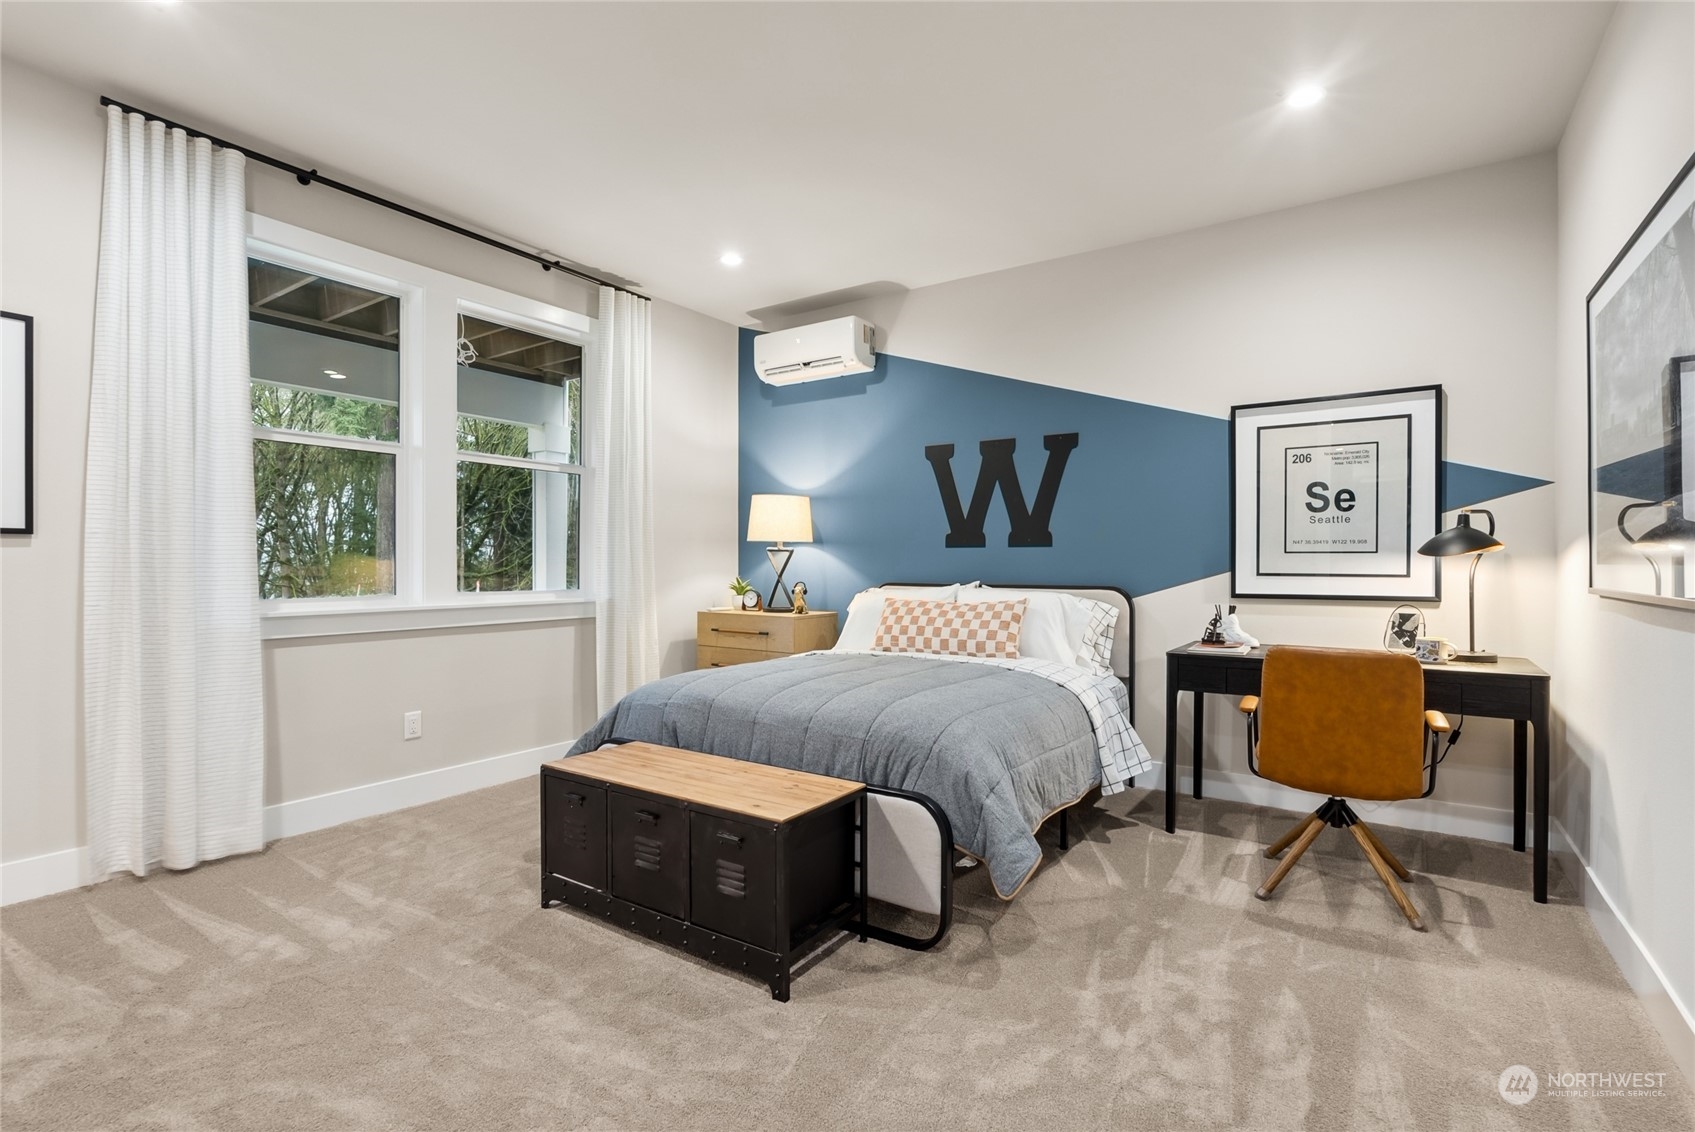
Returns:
<point x="1463" y="538"/>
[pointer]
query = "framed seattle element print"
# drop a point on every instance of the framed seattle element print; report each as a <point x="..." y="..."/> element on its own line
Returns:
<point x="1331" y="497"/>
<point x="1642" y="409"/>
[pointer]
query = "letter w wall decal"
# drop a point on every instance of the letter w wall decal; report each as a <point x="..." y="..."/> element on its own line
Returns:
<point x="1029" y="525"/>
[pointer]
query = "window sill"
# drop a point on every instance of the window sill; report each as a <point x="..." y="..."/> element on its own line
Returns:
<point x="336" y="619"/>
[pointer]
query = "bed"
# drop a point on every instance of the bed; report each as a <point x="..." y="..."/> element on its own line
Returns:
<point x="997" y="746"/>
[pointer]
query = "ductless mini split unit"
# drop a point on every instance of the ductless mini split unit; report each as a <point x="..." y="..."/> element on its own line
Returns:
<point x="836" y="348"/>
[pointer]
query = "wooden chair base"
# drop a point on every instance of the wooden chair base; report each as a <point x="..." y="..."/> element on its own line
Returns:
<point x="1338" y="813"/>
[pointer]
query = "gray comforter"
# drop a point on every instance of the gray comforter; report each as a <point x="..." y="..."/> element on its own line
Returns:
<point x="998" y="750"/>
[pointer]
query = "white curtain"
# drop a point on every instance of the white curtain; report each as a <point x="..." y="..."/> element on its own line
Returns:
<point x="627" y="617"/>
<point x="172" y="690"/>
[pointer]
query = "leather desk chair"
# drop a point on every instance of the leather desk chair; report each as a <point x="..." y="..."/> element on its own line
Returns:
<point x="1346" y="723"/>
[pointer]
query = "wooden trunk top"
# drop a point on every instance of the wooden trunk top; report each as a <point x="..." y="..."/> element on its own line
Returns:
<point x="769" y="792"/>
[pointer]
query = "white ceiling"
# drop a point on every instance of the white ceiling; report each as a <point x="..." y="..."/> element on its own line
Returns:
<point x="839" y="145"/>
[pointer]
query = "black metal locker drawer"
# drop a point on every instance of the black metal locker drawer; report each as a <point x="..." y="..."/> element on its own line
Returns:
<point x="650" y="853"/>
<point x="574" y="830"/>
<point x="732" y="879"/>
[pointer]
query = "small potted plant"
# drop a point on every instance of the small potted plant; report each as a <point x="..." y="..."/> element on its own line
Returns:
<point x="745" y="596"/>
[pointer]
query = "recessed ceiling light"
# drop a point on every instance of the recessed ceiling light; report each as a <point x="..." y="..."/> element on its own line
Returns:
<point x="731" y="259"/>
<point x="1305" y="95"/>
<point x="335" y="376"/>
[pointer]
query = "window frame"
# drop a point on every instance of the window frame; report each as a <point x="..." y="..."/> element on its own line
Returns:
<point x="427" y="460"/>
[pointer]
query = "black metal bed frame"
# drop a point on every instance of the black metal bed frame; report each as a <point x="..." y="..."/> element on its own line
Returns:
<point x="945" y="828"/>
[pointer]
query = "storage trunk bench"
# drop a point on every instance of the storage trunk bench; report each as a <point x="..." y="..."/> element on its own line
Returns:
<point x="744" y="865"/>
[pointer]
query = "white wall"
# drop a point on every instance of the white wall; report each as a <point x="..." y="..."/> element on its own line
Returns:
<point x="1447" y="280"/>
<point x="333" y="703"/>
<point x="1624" y="788"/>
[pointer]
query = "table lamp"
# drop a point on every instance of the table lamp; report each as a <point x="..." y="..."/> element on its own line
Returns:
<point x="780" y="519"/>
<point x="1463" y="538"/>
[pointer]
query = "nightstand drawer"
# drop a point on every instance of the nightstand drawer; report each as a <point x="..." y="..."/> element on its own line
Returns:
<point x="759" y="632"/>
<point x="712" y="656"/>
<point x="727" y="636"/>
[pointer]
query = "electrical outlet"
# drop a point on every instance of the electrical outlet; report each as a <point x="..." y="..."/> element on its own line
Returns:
<point x="414" y="721"/>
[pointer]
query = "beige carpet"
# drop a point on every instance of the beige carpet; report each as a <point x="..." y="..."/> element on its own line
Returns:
<point x="399" y="973"/>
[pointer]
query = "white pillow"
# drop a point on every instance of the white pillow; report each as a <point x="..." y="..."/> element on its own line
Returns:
<point x="859" y="627"/>
<point x="1055" y="625"/>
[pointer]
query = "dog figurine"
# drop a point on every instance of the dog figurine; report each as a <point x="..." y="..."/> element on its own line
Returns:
<point x="800" y="597"/>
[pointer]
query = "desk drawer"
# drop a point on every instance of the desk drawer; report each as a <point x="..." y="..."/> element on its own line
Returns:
<point x="1502" y="697"/>
<point x="1242" y="681"/>
<point x="1198" y="675"/>
<point x="650" y="852"/>
<point x="1444" y="695"/>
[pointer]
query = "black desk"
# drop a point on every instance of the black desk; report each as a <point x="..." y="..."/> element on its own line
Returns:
<point x="1512" y="689"/>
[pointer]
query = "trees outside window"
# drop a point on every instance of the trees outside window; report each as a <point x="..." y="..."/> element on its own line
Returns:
<point x="342" y="457"/>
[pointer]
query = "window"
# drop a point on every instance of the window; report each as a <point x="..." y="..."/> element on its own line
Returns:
<point x="325" y="366"/>
<point x="520" y="413"/>
<point x="417" y="438"/>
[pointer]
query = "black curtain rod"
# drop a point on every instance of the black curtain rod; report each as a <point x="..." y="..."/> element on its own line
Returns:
<point x="308" y="176"/>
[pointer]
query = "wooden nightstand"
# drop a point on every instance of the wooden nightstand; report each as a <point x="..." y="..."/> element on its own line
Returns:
<point x="729" y="636"/>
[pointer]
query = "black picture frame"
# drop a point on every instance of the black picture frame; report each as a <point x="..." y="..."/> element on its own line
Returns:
<point x="24" y="424"/>
<point x="1421" y="579"/>
<point x="1675" y="481"/>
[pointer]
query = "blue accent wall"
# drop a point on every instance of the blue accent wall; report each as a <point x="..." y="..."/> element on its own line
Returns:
<point x="1144" y="503"/>
<point x="1466" y="485"/>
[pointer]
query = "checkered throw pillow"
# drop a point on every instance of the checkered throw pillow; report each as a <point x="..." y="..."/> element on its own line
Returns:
<point x="963" y="628"/>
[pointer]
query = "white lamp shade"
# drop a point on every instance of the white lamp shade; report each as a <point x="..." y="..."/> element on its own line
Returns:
<point x="780" y="518"/>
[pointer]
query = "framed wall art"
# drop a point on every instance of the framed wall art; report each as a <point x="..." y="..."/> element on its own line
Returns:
<point x="1330" y="497"/>
<point x="17" y="424"/>
<point x="1642" y="409"/>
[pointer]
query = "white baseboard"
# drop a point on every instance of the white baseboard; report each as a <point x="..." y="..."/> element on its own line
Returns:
<point x="34" y="877"/>
<point x="1670" y="1014"/>
<point x="288" y="819"/>
<point x="1428" y="815"/>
